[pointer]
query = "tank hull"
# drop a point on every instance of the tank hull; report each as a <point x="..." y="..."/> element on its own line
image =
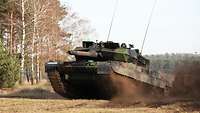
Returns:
<point x="101" y="80"/>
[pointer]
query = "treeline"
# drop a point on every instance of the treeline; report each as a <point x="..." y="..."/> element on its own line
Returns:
<point x="168" y="62"/>
<point x="29" y="29"/>
<point x="33" y="32"/>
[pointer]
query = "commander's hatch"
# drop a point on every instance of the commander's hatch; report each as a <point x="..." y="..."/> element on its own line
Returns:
<point x="87" y="44"/>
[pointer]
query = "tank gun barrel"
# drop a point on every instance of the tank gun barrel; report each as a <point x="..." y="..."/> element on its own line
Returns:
<point x="83" y="53"/>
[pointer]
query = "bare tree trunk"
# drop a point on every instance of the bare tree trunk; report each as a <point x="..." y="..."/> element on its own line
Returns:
<point x="32" y="58"/>
<point x="23" y="42"/>
<point x="38" y="70"/>
<point x="37" y="61"/>
<point x="48" y="50"/>
<point x="14" y="45"/>
<point x="11" y="32"/>
<point x="33" y="45"/>
<point x="6" y="39"/>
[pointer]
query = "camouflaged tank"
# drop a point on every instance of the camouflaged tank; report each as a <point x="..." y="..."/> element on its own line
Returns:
<point x="96" y="65"/>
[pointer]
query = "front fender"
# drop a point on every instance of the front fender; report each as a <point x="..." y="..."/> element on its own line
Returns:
<point x="51" y="66"/>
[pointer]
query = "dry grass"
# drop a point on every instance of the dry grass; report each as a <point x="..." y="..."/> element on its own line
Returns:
<point x="86" y="106"/>
<point x="41" y="99"/>
<point x="65" y="106"/>
<point x="39" y="91"/>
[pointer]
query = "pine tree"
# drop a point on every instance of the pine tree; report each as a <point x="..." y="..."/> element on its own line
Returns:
<point x="9" y="68"/>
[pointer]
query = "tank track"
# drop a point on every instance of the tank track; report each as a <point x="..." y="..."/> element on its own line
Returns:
<point x="56" y="82"/>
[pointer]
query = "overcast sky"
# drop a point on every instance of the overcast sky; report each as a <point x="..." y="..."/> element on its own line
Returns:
<point x="175" y="26"/>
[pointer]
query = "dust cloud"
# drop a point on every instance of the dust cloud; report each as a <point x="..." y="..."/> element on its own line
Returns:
<point x="186" y="85"/>
<point x="187" y="81"/>
<point x="132" y="93"/>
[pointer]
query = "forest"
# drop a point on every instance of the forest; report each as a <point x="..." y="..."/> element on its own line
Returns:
<point x="33" y="32"/>
<point x="168" y="63"/>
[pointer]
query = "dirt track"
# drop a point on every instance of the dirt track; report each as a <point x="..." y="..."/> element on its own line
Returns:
<point x="39" y="100"/>
<point x="8" y="105"/>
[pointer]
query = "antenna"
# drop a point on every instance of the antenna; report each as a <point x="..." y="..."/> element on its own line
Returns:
<point x="113" y="16"/>
<point x="150" y="17"/>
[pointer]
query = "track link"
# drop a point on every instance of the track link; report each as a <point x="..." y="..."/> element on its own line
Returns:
<point x="56" y="82"/>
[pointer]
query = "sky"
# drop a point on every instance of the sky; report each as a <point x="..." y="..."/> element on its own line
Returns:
<point x="174" y="28"/>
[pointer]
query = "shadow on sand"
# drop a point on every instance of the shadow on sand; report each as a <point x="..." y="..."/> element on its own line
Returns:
<point x="36" y="93"/>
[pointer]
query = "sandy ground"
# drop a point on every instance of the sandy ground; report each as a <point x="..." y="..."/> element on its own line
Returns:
<point x="21" y="105"/>
<point x="42" y="99"/>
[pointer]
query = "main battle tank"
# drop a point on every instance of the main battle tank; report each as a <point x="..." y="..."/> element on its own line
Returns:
<point x="95" y="66"/>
